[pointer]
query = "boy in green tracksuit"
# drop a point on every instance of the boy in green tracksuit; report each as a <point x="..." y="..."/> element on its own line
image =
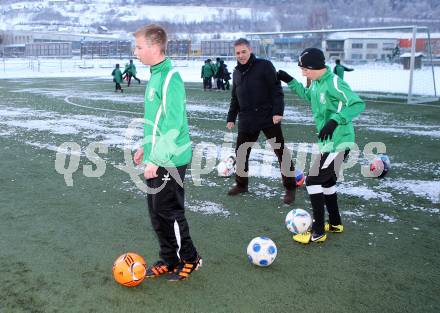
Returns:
<point x="117" y="78"/>
<point x="339" y="69"/>
<point x="166" y="153"/>
<point x="130" y="71"/>
<point x="207" y="74"/>
<point x="334" y="106"/>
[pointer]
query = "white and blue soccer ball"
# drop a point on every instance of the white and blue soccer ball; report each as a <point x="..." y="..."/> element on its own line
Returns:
<point x="298" y="221"/>
<point x="262" y="251"/>
<point x="227" y="167"/>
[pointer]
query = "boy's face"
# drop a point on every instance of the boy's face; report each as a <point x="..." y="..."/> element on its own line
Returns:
<point x="312" y="74"/>
<point x="242" y="53"/>
<point x="145" y="51"/>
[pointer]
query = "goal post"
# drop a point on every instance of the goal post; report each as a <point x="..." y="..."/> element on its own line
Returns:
<point x="396" y="63"/>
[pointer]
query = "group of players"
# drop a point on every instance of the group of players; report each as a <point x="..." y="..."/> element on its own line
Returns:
<point x="257" y="101"/>
<point x="128" y="74"/>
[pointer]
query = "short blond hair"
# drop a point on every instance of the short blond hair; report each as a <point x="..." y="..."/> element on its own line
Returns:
<point x="154" y="33"/>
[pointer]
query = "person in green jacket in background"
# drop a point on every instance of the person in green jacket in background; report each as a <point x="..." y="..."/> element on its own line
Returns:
<point x="207" y="74"/>
<point x="334" y="106"/>
<point x="117" y="78"/>
<point x="130" y="71"/>
<point x="339" y="69"/>
<point x="166" y="153"/>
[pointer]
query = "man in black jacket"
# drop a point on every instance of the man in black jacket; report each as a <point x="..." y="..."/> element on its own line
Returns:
<point x="258" y="100"/>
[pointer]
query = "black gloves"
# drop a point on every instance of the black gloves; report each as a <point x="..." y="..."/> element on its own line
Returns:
<point x="283" y="76"/>
<point x="328" y="129"/>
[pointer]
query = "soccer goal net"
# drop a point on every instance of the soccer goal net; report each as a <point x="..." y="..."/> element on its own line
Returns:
<point x="394" y="63"/>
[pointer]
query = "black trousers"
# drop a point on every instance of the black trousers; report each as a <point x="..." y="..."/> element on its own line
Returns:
<point x="207" y="83"/>
<point x="220" y="84"/>
<point x="275" y="135"/>
<point x="324" y="169"/>
<point x="118" y="87"/>
<point x="320" y="184"/>
<point x="129" y="79"/>
<point x="167" y="214"/>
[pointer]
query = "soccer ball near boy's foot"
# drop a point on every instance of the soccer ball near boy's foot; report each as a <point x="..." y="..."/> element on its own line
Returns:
<point x="129" y="269"/>
<point x="298" y="221"/>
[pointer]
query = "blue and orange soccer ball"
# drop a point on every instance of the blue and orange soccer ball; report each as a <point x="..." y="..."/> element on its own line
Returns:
<point x="380" y="166"/>
<point x="261" y="251"/>
<point x="299" y="177"/>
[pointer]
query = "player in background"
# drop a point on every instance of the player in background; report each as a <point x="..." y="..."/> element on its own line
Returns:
<point x="117" y="78"/>
<point x="334" y="106"/>
<point x="339" y="69"/>
<point x="130" y="71"/>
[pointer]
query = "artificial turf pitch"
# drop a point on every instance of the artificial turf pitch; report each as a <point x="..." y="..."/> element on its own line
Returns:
<point x="58" y="242"/>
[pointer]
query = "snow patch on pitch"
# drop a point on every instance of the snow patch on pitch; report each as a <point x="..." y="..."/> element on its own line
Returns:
<point x="426" y="189"/>
<point x="364" y="192"/>
<point x="407" y="132"/>
<point x="207" y="208"/>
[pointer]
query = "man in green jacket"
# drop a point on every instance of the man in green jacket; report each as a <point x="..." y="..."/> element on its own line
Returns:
<point x="117" y="78"/>
<point x="166" y="153"/>
<point x="339" y="69"/>
<point x="334" y="106"/>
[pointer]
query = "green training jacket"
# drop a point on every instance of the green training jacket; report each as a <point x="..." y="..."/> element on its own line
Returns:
<point x="117" y="75"/>
<point x="207" y="71"/>
<point x="332" y="98"/>
<point x="130" y="68"/>
<point x="166" y="132"/>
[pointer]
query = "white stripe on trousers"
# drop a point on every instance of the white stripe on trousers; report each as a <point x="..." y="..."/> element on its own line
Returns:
<point x="177" y="234"/>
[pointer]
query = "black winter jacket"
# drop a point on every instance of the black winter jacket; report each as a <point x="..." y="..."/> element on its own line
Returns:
<point x="257" y="95"/>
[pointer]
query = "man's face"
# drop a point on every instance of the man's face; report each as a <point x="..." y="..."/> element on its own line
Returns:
<point x="242" y="53"/>
<point x="145" y="51"/>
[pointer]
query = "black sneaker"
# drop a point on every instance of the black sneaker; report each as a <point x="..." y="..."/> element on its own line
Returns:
<point x="237" y="190"/>
<point x="184" y="269"/>
<point x="158" y="269"/>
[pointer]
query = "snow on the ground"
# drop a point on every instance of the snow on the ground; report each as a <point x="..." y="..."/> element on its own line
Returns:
<point x="426" y="189"/>
<point x="207" y="207"/>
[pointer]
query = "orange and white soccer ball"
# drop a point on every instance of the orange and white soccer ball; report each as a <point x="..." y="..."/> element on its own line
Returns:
<point x="129" y="269"/>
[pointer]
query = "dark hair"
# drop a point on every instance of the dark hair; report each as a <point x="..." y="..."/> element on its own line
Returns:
<point x="242" y="41"/>
<point x="337" y="61"/>
<point x="117" y="65"/>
